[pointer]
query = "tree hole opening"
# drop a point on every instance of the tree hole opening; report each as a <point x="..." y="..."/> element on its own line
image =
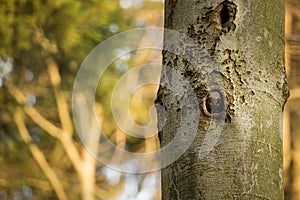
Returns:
<point x="214" y="103"/>
<point x="224" y="15"/>
<point x="208" y="105"/>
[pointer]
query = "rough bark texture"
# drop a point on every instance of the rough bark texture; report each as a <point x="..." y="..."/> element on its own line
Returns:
<point x="246" y="42"/>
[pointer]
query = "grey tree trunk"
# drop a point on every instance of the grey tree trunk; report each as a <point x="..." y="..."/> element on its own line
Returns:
<point x="237" y="74"/>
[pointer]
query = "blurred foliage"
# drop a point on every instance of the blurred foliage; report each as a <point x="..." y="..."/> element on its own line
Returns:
<point x="31" y="31"/>
<point x="33" y="34"/>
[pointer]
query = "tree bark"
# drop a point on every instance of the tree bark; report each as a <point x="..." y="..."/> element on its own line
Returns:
<point x="237" y="151"/>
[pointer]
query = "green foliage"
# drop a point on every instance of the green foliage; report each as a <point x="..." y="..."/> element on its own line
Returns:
<point x="72" y="27"/>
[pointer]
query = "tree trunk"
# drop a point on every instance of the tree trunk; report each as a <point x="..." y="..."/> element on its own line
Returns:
<point x="237" y="75"/>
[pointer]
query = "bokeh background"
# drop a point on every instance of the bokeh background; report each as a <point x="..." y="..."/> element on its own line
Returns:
<point x="291" y="125"/>
<point x="42" y="44"/>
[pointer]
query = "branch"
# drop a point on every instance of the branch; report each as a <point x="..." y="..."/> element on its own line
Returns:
<point x="43" y="122"/>
<point x="16" y="93"/>
<point x="39" y="184"/>
<point x="72" y="152"/>
<point x="39" y="157"/>
<point x="32" y="112"/>
<point x="61" y="102"/>
<point x="63" y="137"/>
<point x="54" y="131"/>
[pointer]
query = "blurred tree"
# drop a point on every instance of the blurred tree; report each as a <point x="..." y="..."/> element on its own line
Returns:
<point x="291" y="138"/>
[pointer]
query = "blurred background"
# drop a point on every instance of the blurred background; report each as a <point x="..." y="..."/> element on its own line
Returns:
<point x="42" y="46"/>
<point x="291" y="121"/>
